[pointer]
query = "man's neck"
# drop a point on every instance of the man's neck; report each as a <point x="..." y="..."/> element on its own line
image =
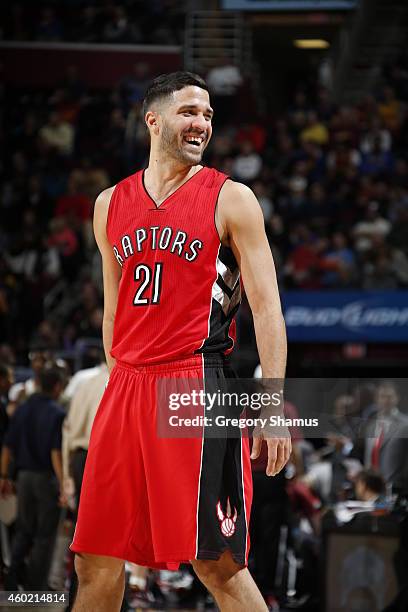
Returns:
<point x="161" y="178"/>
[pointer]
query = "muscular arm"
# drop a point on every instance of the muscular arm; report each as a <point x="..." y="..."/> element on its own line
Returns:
<point x="240" y="224"/>
<point x="111" y="272"/>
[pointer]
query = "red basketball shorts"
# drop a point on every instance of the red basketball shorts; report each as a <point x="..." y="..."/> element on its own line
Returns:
<point x="161" y="501"/>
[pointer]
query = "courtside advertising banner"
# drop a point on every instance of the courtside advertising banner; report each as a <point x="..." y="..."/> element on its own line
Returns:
<point x="344" y="316"/>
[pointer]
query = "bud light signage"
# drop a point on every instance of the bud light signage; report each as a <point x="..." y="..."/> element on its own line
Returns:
<point x="344" y="316"/>
<point x="289" y="5"/>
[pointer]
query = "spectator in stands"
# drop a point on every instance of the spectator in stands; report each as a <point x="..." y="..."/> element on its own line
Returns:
<point x="377" y="161"/>
<point x="370" y="486"/>
<point x="72" y="86"/>
<point x="78" y="424"/>
<point x="58" y="135"/>
<point x="396" y="75"/>
<point x="76" y="433"/>
<point x="385" y="267"/>
<point x="224" y="82"/>
<point x="74" y="205"/>
<point x="113" y="142"/>
<point x="345" y="417"/>
<point x="376" y="133"/>
<point x="304" y="264"/>
<point x="49" y="27"/>
<point x="390" y="109"/>
<point x="87" y="27"/>
<point x="16" y="26"/>
<point x="342" y="158"/>
<point x="133" y="86"/>
<point x="398" y="235"/>
<point x="135" y="139"/>
<point x="325" y="106"/>
<point x="314" y="131"/>
<point x="38" y="200"/>
<point x="373" y="225"/>
<point x="87" y="301"/>
<point x="254" y="132"/>
<point x="47" y="335"/>
<point x="33" y="439"/>
<point x="345" y="126"/>
<point x="63" y="238"/>
<point x="247" y="164"/>
<point x="269" y="513"/>
<point x="21" y="391"/>
<point x="281" y="159"/>
<point x="26" y="135"/>
<point x="386" y="437"/>
<point x="95" y="177"/>
<point x="339" y="263"/>
<point x="7" y="354"/>
<point x="5" y="315"/>
<point x="297" y="185"/>
<point x="6" y="380"/>
<point x="264" y="198"/>
<point x="92" y="327"/>
<point x="119" y="29"/>
<point x="316" y="207"/>
<point x="298" y="110"/>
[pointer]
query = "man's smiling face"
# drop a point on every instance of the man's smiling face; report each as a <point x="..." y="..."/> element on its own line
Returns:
<point x="185" y="126"/>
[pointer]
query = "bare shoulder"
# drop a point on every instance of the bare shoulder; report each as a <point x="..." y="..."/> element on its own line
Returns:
<point x="233" y="189"/>
<point x="101" y="213"/>
<point x="103" y="200"/>
<point x="237" y="202"/>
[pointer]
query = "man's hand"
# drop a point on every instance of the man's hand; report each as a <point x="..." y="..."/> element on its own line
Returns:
<point x="62" y="500"/>
<point x="68" y="487"/>
<point x="67" y="494"/>
<point x="338" y="441"/>
<point x="279" y="450"/>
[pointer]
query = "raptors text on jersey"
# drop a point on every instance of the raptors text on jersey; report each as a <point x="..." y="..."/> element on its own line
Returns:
<point x="180" y="288"/>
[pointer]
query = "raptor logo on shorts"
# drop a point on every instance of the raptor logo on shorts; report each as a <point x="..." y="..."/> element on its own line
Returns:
<point x="227" y="522"/>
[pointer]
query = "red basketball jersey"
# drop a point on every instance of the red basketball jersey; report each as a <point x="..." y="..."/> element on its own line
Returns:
<point x="180" y="288"/>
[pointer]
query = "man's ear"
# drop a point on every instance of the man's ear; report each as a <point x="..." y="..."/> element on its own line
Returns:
<point x="152" y="122"/>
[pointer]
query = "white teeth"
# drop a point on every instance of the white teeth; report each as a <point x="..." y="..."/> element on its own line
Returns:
<point x="195" y="141"/>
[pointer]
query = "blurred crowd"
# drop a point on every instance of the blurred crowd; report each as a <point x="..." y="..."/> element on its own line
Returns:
<point x="128" y="22"/>
<point x="356" y="469"/>
<point x="332" y="182"/>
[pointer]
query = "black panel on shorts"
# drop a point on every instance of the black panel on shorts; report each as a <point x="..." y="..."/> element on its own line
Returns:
<point x="221" y="481"/>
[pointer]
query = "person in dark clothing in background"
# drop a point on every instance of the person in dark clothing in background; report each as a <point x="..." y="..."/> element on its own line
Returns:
<point x="6" y="380"/>
<point x="33" y="439"/>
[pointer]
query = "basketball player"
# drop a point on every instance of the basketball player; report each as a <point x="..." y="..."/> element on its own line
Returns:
<point x="174" y="240"/>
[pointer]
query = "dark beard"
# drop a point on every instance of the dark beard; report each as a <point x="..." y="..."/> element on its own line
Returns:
<point x="169" y="144"/>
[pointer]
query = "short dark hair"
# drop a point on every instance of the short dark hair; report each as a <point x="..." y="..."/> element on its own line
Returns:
<point x="49" y="377"/>
<point x="4" y="370"/>
<point x="373" y="480"/>
<point x="165" y="84"/>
